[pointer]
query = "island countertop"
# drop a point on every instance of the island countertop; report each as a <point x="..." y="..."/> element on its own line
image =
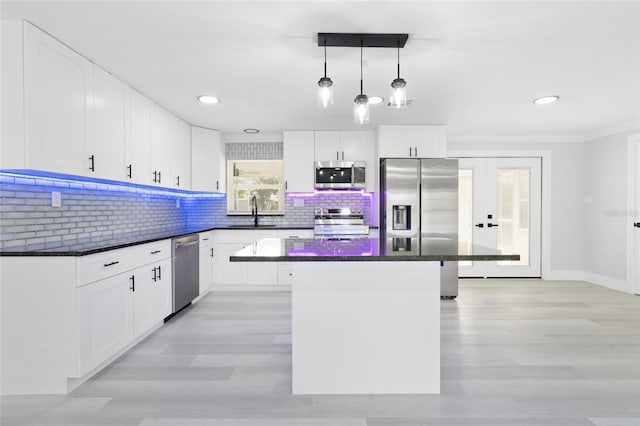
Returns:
<point x="352" y="249"/>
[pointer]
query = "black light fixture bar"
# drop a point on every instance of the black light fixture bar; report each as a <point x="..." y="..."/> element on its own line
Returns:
<point x="362" y="40"/>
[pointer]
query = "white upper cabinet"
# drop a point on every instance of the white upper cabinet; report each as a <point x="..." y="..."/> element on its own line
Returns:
<point x="139" y="148"/>
<point x="207" y="160"/>
<point x="108" y="136"/>
<point x="419" y="141"/>
<point x="57" y="85"/>
<point x="181" y="158"/>
<point x="333" y="145"/>
<point x="161" y="146"/>
<point x="298" y="158"/>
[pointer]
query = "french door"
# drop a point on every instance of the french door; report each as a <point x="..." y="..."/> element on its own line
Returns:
<point x="500" y="202"/>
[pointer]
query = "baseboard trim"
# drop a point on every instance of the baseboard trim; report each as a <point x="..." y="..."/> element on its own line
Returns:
<point x="564" y="276"/>
<point x="608" y="282"/>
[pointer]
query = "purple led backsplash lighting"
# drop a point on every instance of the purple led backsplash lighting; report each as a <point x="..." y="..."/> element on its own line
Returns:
<point x="332" y="247"/>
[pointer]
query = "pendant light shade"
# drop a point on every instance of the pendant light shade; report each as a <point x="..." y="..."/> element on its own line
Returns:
<point x="398" y="97"/>
<point x="325" y="85"/>
<point x="361" y="109"/>
<point x="361" y="102"/>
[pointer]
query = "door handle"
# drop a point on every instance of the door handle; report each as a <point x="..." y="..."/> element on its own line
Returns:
<point x="211" y="252"/>
<point x="133" y="283"/>
<point x="129" y="168"/>
<point x="177" y="180"/>
<point x="155" y="176"/>
<point x="480" y="225"/>
<point x="155" y="277"/>
<point x="160" y="272"/>
<point x="491" y="225"/>
<point x="92" y="167"/>
<point x="159" y="177"/>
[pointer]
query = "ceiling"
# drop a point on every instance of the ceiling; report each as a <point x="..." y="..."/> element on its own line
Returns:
<point x="473" y="66"/>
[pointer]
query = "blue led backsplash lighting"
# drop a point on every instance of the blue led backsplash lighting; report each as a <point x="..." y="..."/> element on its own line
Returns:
<point x="97" y="208"/>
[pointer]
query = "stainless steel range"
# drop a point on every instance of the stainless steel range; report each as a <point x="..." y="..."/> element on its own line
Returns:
<point x="341" y="221"/>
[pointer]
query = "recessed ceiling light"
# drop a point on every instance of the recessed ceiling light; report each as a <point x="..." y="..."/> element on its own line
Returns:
<point x="251" y="131"/>
<point x="373" y="100"/>
<point x="546" y="100"/>
<point x="208" y="99"/>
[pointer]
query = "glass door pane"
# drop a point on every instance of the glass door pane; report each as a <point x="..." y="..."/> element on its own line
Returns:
<point x="513" y="214"/>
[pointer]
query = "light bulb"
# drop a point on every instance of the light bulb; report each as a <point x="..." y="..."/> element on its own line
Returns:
<point x="361" y="109"/>
<point x="325" y="92"/>
<point x="398" y="93"/>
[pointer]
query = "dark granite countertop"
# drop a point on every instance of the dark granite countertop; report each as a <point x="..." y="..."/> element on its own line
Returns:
<point x="354" y="249"/>
<point x="86" y="246"/>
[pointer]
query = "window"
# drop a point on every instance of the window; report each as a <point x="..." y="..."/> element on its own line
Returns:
<point x="263" y="179"/>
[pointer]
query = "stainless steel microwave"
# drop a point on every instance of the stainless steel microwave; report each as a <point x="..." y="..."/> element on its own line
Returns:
<point x="340" y="174"/>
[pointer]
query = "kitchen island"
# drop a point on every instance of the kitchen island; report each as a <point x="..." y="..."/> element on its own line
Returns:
<point x="364" y="320"/>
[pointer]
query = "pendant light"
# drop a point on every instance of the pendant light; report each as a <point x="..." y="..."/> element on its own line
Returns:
<point x="325" y="89"/>
<point x="398" y="97"/>
<point x="361" y="102"/>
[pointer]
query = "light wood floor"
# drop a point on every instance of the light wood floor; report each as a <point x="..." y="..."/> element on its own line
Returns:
<point x="513" y="353"/>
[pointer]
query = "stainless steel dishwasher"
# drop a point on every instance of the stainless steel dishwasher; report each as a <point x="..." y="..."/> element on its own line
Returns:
<point x="185" y="253"/>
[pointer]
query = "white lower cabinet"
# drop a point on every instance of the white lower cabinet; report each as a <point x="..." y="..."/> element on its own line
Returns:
<point x="228" y="242"/>
<point x="106" y="319"/>
<point x="116" y="310"/>
<point x="207" y="262"/>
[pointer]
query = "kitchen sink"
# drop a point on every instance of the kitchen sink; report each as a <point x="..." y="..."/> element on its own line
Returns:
<point x="252" y="226"/>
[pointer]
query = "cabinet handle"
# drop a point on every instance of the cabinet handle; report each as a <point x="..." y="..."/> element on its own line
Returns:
<point x="480" y="225"/>
<point x="410" y="151"/>
<point x="416" y="149"/>
<point x="92" y="167"/>
<point x="129" y="168"/>
<point x="156" y="251"/>
<point x="155" y="277"/>
<point x="286" y="185"/>
<point x="159" y="177"/>
<point x="211" y="252"/>
<point x="106" y="265"/>
<point x="492" y="225"/>
<point x="343" y="155"/>
<point x="155" y="176"/>
<point x="337" y="155"/>
<point x="205" y="239"/>
<point x="177" y="180"/>
<point x="133" y="283"/>
<point x="160" y="272"/>
<point x="217" y="186"/>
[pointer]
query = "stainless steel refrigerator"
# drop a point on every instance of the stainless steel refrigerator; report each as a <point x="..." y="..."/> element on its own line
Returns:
<point x="419" y="211"/>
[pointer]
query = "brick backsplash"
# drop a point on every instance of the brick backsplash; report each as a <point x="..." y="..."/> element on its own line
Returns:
<point x="99" y="210"/>
<point x="254" y="150"/>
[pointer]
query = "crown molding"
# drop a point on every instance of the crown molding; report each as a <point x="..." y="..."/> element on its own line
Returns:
<point x="612" y="130"/>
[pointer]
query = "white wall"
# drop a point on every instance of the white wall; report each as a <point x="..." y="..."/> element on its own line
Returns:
<point x="605" y="210"/>
<point x="566" y="204"/>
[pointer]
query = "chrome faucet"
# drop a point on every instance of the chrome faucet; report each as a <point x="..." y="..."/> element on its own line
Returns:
<point x="254" y="210"/>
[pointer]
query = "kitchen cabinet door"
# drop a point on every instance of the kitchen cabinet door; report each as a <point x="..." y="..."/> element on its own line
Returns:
<point x="107" y="141"/>
<point x="181" y="154"/>
<point x="417" y="141"/>
<point x="161" y="146"/>
<point x="139" y="146"/>
<point x="353" y="145"/>
<point x="206" y="262"/>
<point x="58" y="100"/>
<point x="144" y="312"/>
<point x="208" y="165"/>
<point x="162" y="290"/>
<point x="327" y="146"/>
<point x="106" y="319"/>
<point x="298" y="147"/>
